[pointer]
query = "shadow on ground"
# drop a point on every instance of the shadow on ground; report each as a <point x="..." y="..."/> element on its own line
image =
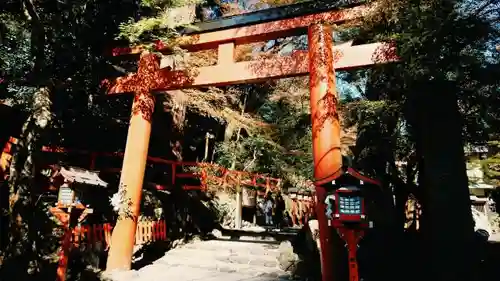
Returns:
<point x="489" y="269"/>
<point x="377" y="263"/>
<point x="150" y="252"/>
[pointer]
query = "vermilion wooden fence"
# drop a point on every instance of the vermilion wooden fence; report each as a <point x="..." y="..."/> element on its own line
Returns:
<point x="147" y="231"/>
<point x="208" y="172"/>
<point x="150" y="231"/>
<point x="90" y="235"/>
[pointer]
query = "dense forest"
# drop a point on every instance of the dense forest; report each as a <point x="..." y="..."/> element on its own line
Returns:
<point x="442" y="95"/>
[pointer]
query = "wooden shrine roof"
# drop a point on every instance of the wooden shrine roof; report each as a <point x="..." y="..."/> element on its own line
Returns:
<point x="79" y="175"/>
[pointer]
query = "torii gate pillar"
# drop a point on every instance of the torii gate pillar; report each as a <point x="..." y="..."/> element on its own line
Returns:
<point x="134" y="165"/>
<point x="325" y="130"/>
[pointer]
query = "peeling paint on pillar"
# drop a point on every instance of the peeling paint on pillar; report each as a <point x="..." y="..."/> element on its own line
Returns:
<point x="326" y="131"/>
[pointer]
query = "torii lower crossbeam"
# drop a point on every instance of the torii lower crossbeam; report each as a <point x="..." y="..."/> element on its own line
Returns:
<point x="256" y="71"/>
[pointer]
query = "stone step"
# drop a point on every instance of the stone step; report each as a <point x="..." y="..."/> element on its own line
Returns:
<point x="249" y="239"/>
<point x="219" y="266"/>
<point x="212" y="260"/>
<point x="185" y="273"/>
<point x="157" y="272"/>
<point x="235" y="244"/>
<point x="231" y="256"/>
<point x="267" y="234"/>
<point x="225" y="247"/>
<point x="227" y="250"/>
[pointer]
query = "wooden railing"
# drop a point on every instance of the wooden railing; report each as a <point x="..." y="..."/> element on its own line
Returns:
<point x="207" y="172"/>
<point x="90" y="235"/>
<point x="147" y="231"/>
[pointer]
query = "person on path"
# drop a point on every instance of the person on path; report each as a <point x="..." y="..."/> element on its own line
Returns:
<point x="279" y="209"/>
<point x="300" y="209"/>
<point x="307" y="207"/>
<point x="294" y="210"/>
<point x="261" y="209"/>
<point x="268" y="210"/>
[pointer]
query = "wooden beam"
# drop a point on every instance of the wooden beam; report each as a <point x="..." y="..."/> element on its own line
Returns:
<point x="259" y="70"/>
<point x="257" y="32"/>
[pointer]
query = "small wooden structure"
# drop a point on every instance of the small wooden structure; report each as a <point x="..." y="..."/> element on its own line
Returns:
<point x="69" y="209"/>
<point x="69" y="182"/>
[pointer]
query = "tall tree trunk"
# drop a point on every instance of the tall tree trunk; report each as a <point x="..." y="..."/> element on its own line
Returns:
<point x="21" y="254"/>
<point x="239" y="204"/>
<point x="448" y="227"/>
<point x="178" y="111"/>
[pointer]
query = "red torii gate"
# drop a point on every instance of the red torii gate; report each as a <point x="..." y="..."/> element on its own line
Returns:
<point x="320" y="62"/>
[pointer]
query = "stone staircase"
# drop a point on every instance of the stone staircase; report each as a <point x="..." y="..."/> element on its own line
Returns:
<point x="244" y="258"/>
<point x="222" y="259"/>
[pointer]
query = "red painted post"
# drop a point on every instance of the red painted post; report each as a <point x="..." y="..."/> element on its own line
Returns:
<point x="173" y="174"/>
<point x="64" y="253"/>
<point x="107" y="234"/>
<point x="93" y="157"/>
<point x="156" y="231"/>
<point x="326" y="130"/>
<point x="94" y="233"/>
<point x="101" y="233"/>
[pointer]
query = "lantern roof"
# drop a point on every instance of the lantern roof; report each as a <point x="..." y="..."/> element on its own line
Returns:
<point x="357" y="175"/>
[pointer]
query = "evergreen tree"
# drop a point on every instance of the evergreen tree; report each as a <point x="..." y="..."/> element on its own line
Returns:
<point x="445" y="89"/>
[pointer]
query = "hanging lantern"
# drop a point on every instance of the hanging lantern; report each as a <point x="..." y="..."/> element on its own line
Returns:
<point x="350" y="204"/>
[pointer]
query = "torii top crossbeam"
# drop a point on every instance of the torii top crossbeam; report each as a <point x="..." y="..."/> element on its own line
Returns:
<point x="271" y="14"/>
<point x="320" y="62"/>
<point x="224" y="34"/>
<point x="263" y="25"/>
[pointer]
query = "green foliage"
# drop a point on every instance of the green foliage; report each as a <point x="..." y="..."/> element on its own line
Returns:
<point x="456" y="57"/>
<point x="159" y="4"/>
<point x="16" y="60"/>
<point x="134" y="30"/>
<point x="276" y="3"/>
<point x="285" y="152"/>
<point x="167" y="16"/>
<point x="381" y="134"/>
<point x="447" y="58"/>
<point x="491" y="165"/>
<point x="51" y="50"/>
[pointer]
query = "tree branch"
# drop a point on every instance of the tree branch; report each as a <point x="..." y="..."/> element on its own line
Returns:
<point x="37" y="41"/>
